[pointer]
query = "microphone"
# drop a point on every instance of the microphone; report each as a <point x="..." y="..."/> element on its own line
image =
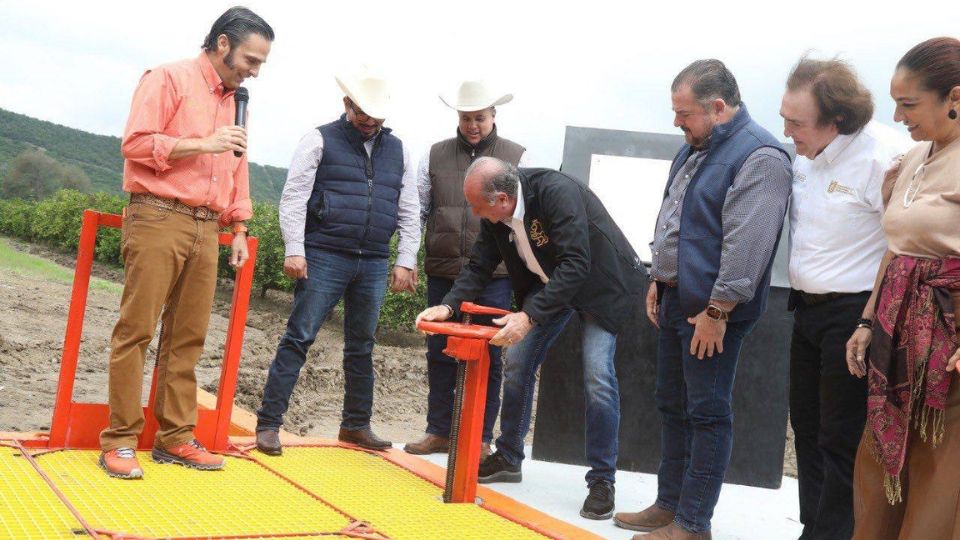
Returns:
<point x="241" y="97"/>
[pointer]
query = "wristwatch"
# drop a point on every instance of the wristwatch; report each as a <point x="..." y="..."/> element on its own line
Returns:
<point x="239" y="227"/>
<point x="717" y="313"/>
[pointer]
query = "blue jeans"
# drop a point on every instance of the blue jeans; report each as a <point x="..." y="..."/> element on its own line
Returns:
<point x="442" y="370"/>
<point x="694" y="399"/>
<point x="331" y="275"/>
<point x="601" y="392"/>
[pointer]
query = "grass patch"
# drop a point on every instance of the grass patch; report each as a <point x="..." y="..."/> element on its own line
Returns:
<point x="25" y="264"/>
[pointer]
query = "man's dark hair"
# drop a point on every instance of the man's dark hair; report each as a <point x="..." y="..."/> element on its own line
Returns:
<point x="840" y="97"/>
<point x="709" y="79"/>
<point x="237" y="23"/>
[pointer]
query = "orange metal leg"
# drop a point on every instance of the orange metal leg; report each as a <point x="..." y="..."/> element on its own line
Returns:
<point x="71" y="341"/>
<point x="232" y="348"/>
<point x="475" y="353"/>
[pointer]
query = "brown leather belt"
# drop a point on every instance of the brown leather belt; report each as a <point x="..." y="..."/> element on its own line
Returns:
<point x="196" y="212"/>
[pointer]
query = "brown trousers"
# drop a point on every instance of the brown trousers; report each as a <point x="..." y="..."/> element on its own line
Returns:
<point x="931" y="486"/>
<point x="170" y="260"/>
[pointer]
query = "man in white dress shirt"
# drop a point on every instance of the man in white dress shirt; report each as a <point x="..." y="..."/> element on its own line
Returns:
<point x="350" y="186"/>
<point x="836" y="244"/>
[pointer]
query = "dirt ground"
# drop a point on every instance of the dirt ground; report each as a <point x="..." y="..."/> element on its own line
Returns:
<point x="33" y="317"/>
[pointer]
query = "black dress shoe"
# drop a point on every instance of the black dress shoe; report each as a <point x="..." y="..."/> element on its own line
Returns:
<point x="363" y="438"/>
<point x="496" y="469"/>
<point x="599" y="503"/>
<point x="268" y="442"/>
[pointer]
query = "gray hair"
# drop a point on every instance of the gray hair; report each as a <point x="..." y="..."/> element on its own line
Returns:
<point x="505" y="177"/>
<point x="709" y="79"/>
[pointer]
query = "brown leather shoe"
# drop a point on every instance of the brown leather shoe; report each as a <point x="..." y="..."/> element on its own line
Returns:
<point x="673" y="532"/>
<point x="268" y="442"/>
<point x="364" y="438"/>
<point x="429" y="444"/>
<point x="646" y="520"/>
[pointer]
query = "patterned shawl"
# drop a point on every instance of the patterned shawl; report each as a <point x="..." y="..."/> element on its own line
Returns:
<point x="914" y="336"/>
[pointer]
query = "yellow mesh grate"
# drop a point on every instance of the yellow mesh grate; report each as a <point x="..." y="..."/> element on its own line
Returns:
<point x="243" y="499"/>
<point x="397" y="503"/>
<point x="28" y="507"/>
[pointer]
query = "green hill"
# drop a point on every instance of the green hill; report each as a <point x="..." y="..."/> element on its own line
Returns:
<point x="99" y="155"/>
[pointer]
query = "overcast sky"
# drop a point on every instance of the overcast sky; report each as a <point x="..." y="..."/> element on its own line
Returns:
<point x="599" y="63"/>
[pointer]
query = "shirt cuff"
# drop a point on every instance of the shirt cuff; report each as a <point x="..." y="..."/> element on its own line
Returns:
<point x="162" y="147"/>
<point x="240" y="210"/>
<point x="294" y="250"/>
<point x="740" y="291"/>
<point x="406" y="260"/>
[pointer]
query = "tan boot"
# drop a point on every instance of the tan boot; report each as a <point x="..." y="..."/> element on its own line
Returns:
<point x="646" y="520"/>
<point x="673" y="532"/>
<point x="429" y="444"/>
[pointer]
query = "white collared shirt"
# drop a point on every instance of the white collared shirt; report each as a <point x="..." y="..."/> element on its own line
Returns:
<point x="836" y="241"/>
<point x="522" y="241"/>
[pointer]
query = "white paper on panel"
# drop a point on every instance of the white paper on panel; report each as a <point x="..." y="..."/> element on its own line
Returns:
<point x="631" y="189"/>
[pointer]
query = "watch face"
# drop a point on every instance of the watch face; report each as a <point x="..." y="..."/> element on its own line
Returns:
<point x="716" y="313"/>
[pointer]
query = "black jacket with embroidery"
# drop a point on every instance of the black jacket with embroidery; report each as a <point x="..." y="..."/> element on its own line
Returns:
<point x="589" y="262"/>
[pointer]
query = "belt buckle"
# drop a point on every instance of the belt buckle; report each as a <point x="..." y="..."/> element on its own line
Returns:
<point x="201" y="212"/>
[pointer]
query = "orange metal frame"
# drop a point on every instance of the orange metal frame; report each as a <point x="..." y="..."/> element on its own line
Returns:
<point x="78" y="425"/>
<point x="468" y="343"/>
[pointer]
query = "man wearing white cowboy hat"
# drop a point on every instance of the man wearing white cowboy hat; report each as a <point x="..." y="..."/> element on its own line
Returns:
<point x="349" y="187"/>
<point x="451" y="229"/>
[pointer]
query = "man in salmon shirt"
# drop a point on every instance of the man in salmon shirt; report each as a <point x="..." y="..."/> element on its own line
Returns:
<point x="185" y="182"/>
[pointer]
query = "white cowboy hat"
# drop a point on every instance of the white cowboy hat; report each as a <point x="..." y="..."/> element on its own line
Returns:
<point x="475" y="96"/>
<point x="368" y="90"/>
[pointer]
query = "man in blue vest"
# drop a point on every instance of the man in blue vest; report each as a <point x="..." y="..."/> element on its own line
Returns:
<point x="713" y="248"/>
<point x="350" y="186"/>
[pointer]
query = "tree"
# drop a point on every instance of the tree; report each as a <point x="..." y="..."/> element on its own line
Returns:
<point x="74" y="178"/>
<point x="33" y="175"/>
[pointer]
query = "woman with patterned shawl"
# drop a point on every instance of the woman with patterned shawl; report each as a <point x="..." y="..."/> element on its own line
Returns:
<point x="907" y="472"/>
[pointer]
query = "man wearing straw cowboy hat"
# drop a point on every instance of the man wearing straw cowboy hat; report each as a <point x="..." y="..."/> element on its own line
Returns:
<point x="349" y="187"/>
<point x="451" y="230"/>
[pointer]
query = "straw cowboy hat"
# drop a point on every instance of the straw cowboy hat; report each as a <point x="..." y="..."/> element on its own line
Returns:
<point x="368" y="90"/>
<point x="475" y="96"/>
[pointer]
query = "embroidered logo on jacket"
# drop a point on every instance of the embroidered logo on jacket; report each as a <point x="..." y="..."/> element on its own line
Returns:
<point x="537" y="234"/>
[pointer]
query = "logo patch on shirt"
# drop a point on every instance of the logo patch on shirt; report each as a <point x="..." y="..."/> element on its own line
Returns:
<point x="537" y="234"/>
<point x="838" y="187"/>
